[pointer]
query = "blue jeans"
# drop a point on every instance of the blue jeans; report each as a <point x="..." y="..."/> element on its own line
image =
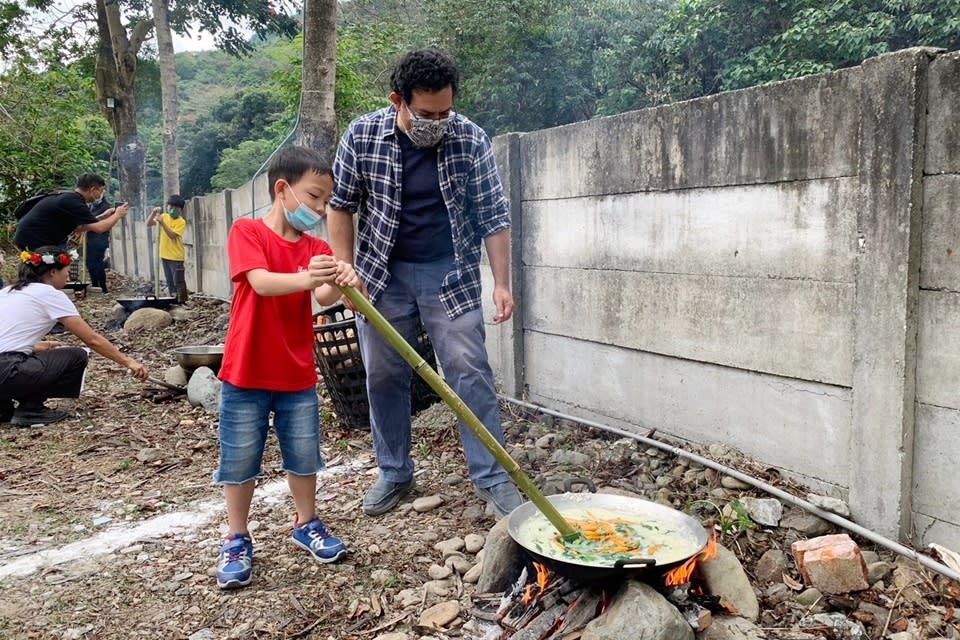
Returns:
<point x="414" y="290"/>
<point x="244" y="422"/>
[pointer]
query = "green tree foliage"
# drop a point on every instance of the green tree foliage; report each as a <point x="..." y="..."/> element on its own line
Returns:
<point x="244" y="116"/>
<point x="533" y="64"/>
<point x="236" y="162"/>
<point x="49" y="132"/>
<point x="366" y="53"/>
<point x="706" y="46"/>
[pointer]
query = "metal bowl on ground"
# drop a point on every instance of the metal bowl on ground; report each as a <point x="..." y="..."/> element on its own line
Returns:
<point x="192" y="357"/>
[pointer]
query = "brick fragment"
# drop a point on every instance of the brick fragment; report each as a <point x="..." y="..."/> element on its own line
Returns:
<point x="833" y="564"/>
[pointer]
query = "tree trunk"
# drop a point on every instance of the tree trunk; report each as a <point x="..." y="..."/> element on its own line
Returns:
<point x="115" y="74"/>
<point x="318" y="118"/>
<point x="168" y="92"/>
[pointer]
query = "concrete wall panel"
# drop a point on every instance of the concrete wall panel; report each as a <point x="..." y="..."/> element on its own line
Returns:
<point x="794" y="230"/>
<point x="797" y="130"/>
<point x="938" y="350"/>
<point x="799" y="426"/>
<point x="935" y="461"/>
<point x="943" y="117"/>
<point x="940" y="262"/>
<point x="800" y="329"/>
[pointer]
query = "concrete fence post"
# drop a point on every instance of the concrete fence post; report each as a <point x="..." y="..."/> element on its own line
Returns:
<point x="198" y="222"/>
<point x="892" y="138"/>
<point x="514" y="186"/>
<point x="228" y="222"/>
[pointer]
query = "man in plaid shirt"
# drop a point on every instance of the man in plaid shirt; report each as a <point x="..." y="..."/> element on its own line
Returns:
<point x="424" y="183"/>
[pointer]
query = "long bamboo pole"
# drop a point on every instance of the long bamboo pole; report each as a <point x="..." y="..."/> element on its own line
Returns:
<point x="438" y="384"/>
<point x="156" y="265"/>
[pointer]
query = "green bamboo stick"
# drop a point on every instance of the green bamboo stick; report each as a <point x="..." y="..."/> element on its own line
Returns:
<point x="438" y="384"/>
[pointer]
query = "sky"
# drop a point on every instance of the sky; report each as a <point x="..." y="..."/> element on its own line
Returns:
<point x="198" y="42"/>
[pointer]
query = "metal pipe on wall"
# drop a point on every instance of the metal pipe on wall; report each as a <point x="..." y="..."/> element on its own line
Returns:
<point x="874" y="537"/>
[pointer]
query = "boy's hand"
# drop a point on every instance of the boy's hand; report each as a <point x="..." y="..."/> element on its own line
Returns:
<point x="346" y="276"/>
<point x="322" y="270"/>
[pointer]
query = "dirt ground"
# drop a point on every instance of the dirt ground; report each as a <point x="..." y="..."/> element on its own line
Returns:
<point x="110" y="524"/>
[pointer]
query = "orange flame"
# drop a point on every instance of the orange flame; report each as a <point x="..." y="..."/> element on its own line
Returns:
<point x="543" y="576"/>
<point x="683" y="573"/>
<point x="527" y="595"/>
<point x="543" y="579"/>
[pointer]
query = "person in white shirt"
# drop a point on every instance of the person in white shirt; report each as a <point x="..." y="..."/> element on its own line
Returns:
<point x="33" y="369"/>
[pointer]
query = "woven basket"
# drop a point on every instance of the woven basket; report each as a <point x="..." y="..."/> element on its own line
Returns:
<point x="337" y="353"/>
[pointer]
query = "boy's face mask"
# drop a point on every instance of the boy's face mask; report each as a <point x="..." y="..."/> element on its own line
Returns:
<point x="173" y="213"/>
<point x="303" y="218"/>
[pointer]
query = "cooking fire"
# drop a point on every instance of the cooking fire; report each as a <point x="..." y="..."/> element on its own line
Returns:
<point x="545" y="605"/>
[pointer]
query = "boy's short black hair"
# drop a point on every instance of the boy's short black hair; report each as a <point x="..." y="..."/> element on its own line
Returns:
<point x="424" y="69"/>
<point x="176" y="201"/>
<point x="88" y="180"/>
<point x="290" y="163"/>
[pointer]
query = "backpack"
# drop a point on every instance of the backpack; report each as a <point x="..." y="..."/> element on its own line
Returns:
<point x="24" y="207"/>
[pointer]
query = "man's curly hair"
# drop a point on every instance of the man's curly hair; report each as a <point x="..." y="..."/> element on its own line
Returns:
<point x="424" y="69"/>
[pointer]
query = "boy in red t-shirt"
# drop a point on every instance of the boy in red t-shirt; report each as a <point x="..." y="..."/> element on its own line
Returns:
<point x="268" y="361"/>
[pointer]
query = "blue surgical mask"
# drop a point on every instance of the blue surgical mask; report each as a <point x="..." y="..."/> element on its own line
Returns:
<point x="304" y="218"/>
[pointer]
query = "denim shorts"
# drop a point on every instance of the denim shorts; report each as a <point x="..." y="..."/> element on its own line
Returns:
<point x="244" y="422"/>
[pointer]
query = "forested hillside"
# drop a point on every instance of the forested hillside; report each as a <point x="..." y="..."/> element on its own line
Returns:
<point x="526" y="65"/>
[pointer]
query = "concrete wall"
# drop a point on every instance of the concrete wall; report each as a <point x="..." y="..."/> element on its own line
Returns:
<point x="936" y="488"/>
<point x="770" y="268"/>
<point x="774" y="269"/>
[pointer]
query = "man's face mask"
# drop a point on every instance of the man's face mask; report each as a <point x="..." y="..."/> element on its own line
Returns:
<point x="303" y="218"/>
<point x="424" y="132"/>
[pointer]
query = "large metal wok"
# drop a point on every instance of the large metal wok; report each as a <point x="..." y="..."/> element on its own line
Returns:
<point x="679" y="536"/>
<point x="691" y="536"/>
<point x="132" y="304"/>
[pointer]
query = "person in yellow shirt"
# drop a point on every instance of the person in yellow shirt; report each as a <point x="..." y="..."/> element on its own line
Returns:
<point x="172" y="225"/>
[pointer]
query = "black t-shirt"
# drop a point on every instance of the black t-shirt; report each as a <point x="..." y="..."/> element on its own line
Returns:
<point x="99" y="239"/>
<point x="52" y="221"/>
<point x="424" y="234"/>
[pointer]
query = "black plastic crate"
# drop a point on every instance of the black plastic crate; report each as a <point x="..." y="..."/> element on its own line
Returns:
<point x="336" y="349"/>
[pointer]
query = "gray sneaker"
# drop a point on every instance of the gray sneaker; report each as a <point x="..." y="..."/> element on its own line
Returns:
<point x="503" y="497"/>
<point x="384" y="495"/>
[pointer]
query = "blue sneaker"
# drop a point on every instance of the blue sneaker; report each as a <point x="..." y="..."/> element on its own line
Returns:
<point x="315" y="538"/>
<point x="236" y="562"/>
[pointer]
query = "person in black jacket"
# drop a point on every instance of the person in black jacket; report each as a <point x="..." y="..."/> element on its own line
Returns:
<point x="96" y="247"/>
<point x="51" y="221"/>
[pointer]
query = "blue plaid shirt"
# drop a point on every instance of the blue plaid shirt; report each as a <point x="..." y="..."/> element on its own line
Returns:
<point x="368" y="179"/>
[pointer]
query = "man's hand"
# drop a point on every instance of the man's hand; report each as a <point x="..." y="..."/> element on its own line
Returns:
<point x="503" y="300"/>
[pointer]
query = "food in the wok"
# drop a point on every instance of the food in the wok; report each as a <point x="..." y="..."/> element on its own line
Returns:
<point x="608" y="536"/>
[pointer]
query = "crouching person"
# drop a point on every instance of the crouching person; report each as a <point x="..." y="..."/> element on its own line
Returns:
<point x="32" y="369"/>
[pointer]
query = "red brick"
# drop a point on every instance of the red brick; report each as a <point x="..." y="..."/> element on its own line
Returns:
<point x="833" y="564"/>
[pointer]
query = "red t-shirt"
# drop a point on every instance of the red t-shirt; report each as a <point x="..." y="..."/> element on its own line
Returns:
<point x="270" y="338"/>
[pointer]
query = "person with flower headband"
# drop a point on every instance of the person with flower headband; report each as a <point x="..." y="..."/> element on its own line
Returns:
<point x="33" y="369"/>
